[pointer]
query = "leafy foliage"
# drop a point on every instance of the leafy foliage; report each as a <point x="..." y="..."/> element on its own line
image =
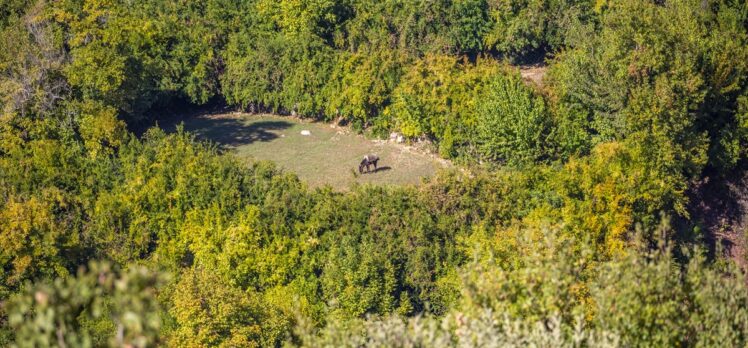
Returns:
<point x="553" y="297"/>
<point x="513" y="125"/>
<point x="669" y="85"/>
<point x="57" y="314"/>
<point x="520" y="27"/>
<point x="642" y="100"/>
<point x="209" y="313"/>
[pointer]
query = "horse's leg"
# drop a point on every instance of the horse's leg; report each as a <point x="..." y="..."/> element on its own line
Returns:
<point x="375" y="165"/>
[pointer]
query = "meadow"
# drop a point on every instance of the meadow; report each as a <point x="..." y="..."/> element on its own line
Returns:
<point x="328" y="156"/>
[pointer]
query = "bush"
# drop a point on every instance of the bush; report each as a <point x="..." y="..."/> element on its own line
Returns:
<point x="512" y="123"/>
<point x="68" y="311"/>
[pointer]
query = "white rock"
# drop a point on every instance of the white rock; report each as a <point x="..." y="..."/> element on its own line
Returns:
<point x="306" y="132"/>
<point x="393" y="136"/>
<point x="400" y="139"/>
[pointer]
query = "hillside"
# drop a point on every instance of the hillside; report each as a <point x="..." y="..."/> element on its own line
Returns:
<point x="563" y="173"/>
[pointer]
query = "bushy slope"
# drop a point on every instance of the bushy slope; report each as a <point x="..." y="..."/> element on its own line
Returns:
<point x="559" y="236"/>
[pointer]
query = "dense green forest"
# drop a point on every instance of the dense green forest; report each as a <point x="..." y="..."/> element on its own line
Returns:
<point x="581" y="212"/>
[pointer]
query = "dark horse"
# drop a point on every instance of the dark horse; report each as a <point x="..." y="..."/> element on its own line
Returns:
<point x="366" y="162"/>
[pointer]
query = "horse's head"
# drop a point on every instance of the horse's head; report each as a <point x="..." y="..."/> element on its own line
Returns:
<point x="361" y="167"/>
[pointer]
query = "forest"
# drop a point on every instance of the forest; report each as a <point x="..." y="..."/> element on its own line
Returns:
<point x="606" y="206"/>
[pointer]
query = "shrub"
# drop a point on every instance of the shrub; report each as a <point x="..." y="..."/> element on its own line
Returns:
<point x="512" y="125"/>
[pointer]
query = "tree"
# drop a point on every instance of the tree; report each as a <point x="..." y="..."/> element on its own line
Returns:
<point x="674" y="85"/>
<point x="54" y="313"/>
<point x="209" y="312"/>
<point x="32" y="60"/>
<point x="513" y="125"/>
<point x="521" y="27"/>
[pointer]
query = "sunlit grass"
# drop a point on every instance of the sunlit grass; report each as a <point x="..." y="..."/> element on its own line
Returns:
<point x="329" y="155"/>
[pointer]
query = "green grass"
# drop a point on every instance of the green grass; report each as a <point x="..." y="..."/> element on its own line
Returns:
<point x="330" y="155"/>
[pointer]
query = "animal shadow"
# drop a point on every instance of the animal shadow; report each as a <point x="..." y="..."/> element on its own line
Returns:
<point x="382" y="169"/>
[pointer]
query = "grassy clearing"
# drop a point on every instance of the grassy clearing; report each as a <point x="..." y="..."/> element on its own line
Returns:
<point x="330" y="155"/>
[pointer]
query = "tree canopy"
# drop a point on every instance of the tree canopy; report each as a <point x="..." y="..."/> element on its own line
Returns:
<point x="573" y="216"/>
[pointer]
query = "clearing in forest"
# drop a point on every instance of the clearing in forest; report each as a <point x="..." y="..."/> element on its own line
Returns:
<point x="327" y="155"/>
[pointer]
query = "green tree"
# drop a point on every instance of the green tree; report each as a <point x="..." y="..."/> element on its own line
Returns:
<point x="521" y="27"/>
<point x="674" y="87"/>
<point x="513" y="125"/>
<point x="53" y="313"/>
<point x="469" y="22"/>
<point x="208" y="312"/>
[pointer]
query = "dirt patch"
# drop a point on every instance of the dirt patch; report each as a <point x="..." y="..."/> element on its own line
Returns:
<point x="533" y="73"/>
